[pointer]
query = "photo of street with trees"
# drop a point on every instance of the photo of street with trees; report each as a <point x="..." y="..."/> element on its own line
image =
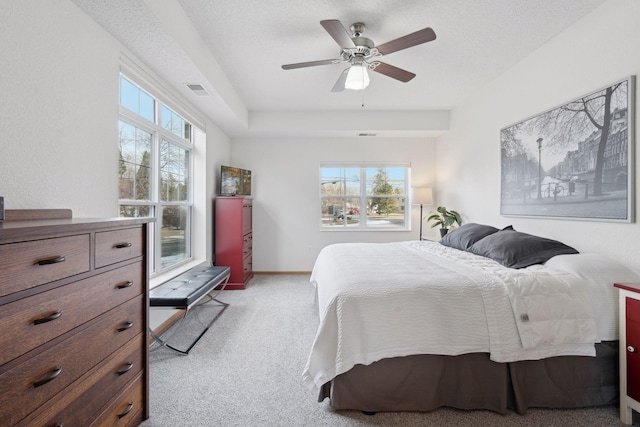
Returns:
<point x="572" y="161"/>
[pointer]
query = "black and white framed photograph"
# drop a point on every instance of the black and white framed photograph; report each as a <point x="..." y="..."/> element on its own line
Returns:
<point x="574" y="161"/>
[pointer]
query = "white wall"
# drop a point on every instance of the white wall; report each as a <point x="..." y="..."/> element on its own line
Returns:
<point x="600" y="49"/>
<point x="59" y="117"/>
<point x="286" y="213"/>
<point x="59" y="109"/>
<point x="218" y="153"/>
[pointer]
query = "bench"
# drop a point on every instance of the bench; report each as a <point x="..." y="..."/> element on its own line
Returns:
<point x="185" y="291"/>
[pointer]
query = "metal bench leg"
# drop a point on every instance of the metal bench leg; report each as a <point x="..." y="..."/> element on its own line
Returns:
<point x="164" y="343"/>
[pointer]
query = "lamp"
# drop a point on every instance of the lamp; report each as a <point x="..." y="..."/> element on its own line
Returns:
<point x="357" y="77"/>
<point x="539" y="141"/>
<point x="421" y="196"/>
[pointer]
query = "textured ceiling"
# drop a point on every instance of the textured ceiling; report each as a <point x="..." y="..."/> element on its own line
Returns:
<point x="248" y="41"/>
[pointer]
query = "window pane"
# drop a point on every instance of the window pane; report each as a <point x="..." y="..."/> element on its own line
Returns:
<point x="131" y="211"/>
<point x="166" y="118"/>
<point x="128" y="95"/>
<point x="136" y="100"/>
<point x="174" y="172"/>
<point x="173" y="234"/>
<point x="143" y="183"/>
<point x="386" y="181"/>
<point x="175" y="124"/>
<point x="134" y="172"/>
<point x="146" y="107"/>
<point x="385" y="212"/>
<point x="127" y="142"/>
<point x="340" y="181"/>
<point x="143" y="147"/>
<point x="340" y="212"/>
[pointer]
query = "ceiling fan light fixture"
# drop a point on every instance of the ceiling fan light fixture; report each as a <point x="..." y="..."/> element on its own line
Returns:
<point x="357" y="77"/>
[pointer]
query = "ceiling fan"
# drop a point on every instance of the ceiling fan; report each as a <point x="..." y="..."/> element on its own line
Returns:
<point x="362" y="53"/>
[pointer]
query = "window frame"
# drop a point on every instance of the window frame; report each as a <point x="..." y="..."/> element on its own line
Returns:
<point x="156" y="204"/>
<point x="362" y="224"/>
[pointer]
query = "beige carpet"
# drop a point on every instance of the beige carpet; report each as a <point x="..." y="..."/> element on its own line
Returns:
<point x="246" y="371"/>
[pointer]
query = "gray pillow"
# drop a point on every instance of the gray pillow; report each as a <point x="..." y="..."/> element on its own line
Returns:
<point x="466" y="235"/>
<point x="518" y="250"/>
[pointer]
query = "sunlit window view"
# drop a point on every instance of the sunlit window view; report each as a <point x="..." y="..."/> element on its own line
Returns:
<point x="156" y="147"/>
<point x="364" y="197"/>
<point x="135" y="163"/>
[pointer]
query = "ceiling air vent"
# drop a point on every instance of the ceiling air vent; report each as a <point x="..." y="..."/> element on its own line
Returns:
<point x="367" y="134"/>
<point x="198" y="89"/>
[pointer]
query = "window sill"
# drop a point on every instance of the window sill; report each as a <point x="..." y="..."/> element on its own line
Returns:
<point x="359" y="229"/>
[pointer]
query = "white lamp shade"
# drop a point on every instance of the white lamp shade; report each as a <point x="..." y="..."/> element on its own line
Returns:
<point x="421" y="196"/>
<point x="357" y="78"/>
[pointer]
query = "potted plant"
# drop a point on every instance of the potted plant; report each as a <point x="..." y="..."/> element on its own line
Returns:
<point x="445" y="219"/>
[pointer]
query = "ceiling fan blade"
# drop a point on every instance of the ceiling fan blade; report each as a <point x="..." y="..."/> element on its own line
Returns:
<point x="339" y="86"/>
<point x="410" y="40"/>
<point x="310" y="64"/>
<point x="394" y="72"/>
<point x="338" y="32"/>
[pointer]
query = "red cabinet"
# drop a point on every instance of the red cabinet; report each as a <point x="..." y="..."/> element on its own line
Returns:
<point x="233" y="241"/>
<point x="633" y="348"/>
<point x="629" y="349"/>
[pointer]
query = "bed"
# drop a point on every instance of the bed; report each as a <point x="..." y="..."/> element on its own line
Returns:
<point x="485" y="319"/>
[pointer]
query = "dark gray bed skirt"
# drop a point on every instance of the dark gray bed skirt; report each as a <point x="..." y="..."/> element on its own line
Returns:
<point x="472" y="381"/>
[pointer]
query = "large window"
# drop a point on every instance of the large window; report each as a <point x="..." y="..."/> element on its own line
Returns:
<point x="364" y="197"/>
<point x="155" y="172"/>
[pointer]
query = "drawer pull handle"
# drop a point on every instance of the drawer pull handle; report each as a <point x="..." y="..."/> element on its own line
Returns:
<point x="125" y="369"/>
<point x="126" y="284"/>
<point x="127" y="325"/>
<point x="52" y="260"/>
<point x="49" y="318"/>
<point x="123" y="245"/>
<point x="630" y="349"/>
<point x="51" y="376"/>
<point x="126" y="411"/>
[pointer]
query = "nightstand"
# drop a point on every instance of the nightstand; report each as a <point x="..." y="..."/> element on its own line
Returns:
<point x="629" y="324"/>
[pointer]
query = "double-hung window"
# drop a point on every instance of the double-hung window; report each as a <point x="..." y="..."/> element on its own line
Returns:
<point x="155" y="172"/>
<point x="364" y="196"/>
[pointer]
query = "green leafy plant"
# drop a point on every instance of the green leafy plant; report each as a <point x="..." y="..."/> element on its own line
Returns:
<point x="444" y="218"/>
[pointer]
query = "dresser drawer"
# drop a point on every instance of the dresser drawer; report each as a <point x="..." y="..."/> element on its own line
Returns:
<point x="32" y="321"/>
<point x="126" y="408"/>
<point x="42" y="377"/>
<point x="80" y="404"/>
<point x="247" y="241"/>
<point x="118" y="245"/>
<point x="247" y="266"/>
<point x="25" y="265"/>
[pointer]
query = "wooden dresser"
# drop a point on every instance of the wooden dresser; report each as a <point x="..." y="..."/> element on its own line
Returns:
<point x="74" y="322"/>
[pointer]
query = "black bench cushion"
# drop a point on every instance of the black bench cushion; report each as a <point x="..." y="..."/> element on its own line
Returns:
<point x="188" y="287"/>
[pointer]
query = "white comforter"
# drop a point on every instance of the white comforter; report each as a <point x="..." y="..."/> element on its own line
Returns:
<point x="396" y="299"/>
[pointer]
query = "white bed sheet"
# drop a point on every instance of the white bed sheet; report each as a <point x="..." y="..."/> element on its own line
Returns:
<point x="396" y="299"/>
